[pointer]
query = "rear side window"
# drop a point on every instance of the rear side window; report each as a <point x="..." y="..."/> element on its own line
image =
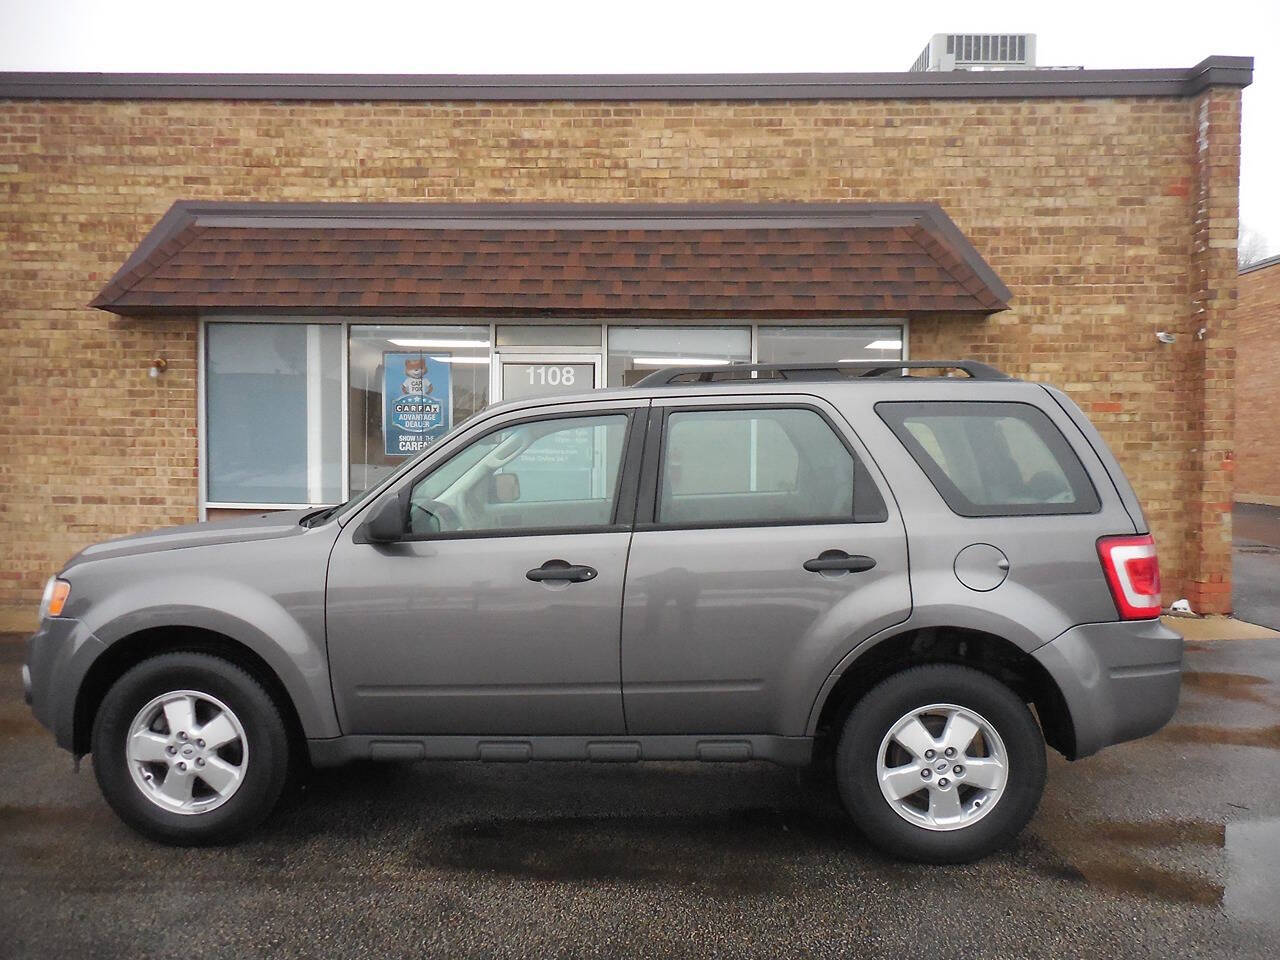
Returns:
<point x="993" y="459"/>
<point x="750" y="466"/>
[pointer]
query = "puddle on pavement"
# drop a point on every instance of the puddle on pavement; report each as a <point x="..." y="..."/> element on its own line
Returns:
<point x="15" y="816"/>
<point x="1229" y="686"/>
<point x="1253" y="868"/>
<point x="1155" y="883"/>
<point x="1228" y="736"/>
<point x="730" y="853"/>
<point x="1101" y="855"/>
<point x="748" y="852"/>
<point x="1158" y="833"/>
<point x="18" y="724"/>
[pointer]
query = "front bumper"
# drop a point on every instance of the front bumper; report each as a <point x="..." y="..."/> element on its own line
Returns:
<point x="59" y="655"/>
<point x="1120" y="680"/>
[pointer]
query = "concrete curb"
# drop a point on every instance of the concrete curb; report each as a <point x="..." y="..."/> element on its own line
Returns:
<point x="1203" y="629"/>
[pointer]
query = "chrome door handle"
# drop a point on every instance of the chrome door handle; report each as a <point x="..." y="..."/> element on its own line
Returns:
<point x="838" y="560"/>
<point x="561" y="570"/>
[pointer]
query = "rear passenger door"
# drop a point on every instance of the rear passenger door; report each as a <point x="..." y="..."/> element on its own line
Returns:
<point x="766" y="547"/>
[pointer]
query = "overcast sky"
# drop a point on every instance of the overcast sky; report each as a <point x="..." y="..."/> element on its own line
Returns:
<point x="652" y="36"/>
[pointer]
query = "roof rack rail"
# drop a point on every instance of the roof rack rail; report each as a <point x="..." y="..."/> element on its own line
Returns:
<point x="874" y="369"/>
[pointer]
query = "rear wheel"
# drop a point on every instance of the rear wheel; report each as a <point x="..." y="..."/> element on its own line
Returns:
<point x="940" y="763"/>
<point x="190" y="749"/>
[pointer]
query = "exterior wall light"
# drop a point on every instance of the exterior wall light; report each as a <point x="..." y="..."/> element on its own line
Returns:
<point x="158" y="366"/>
<point x="1165" y="337"/>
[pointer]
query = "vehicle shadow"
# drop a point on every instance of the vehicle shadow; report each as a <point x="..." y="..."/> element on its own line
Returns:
<point x="721" y="830"/>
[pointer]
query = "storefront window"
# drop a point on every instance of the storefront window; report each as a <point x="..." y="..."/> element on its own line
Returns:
<point x="825" y="344"/>
<point x="274" y="390"/>
<point x="547" y="335"/>
<point x="273" y="396"/>
<point x="637" y="351"/>
<point x="409" y="386"/>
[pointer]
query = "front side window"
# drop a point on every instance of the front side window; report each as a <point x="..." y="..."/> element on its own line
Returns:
<point x="273" y="411"/>
<point x="559" y="473"/>
<point x="782" y="465"/>
<point x="991" y="459"/>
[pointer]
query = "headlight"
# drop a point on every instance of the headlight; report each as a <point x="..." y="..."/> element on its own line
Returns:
<point x="55" y="597"/>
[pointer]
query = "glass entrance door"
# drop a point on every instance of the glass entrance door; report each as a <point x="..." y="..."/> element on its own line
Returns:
<point x="521" y="375"/>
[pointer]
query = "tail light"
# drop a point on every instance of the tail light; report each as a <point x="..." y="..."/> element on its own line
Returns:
<point x="1133" y="573"/>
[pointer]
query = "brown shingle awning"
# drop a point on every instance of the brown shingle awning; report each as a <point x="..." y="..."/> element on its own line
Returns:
<point x="555" y="260"/>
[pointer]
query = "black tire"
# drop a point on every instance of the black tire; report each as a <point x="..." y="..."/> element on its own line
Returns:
<point x="266" y="765"/>
<point x="871" y="720"/>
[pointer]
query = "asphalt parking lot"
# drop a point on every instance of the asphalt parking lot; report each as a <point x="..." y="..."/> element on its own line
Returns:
<point x="1168" y="846"/>
<point x="1256" y="563"/>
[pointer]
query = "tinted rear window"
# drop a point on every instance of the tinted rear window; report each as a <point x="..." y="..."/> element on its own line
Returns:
<point x="993" y="459"/>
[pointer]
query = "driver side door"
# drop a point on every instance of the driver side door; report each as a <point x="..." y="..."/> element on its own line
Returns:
<point x="471" y="624"/>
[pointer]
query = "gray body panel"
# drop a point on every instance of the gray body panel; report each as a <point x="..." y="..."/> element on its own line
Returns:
<point x="707" y="643"/>
<point x="59" y="654"/>
<point x="448" y="637"/>
<point x="261" y="584"/>
<point x="1120" y="680"/>
<point x="263" y="526"/>
<point x="724" y="630"/>
<point x="725" y="633"/>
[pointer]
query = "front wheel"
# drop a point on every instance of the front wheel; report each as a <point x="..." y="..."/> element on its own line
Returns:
<point x="940" y="763"/>
<point x="190" y="749"/>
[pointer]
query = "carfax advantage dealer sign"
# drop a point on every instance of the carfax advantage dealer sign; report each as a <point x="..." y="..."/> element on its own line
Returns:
<point x="416" y="401"/>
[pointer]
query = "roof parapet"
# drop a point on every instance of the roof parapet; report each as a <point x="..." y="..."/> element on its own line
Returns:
<point x="1018" y="84"/>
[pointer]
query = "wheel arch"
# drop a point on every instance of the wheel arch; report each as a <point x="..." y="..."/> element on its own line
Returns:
<point x="988" y="652"/>
<point x="134" y="648"/>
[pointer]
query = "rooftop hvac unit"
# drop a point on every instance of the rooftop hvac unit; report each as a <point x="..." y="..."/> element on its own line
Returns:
<point x="978" y="51"/>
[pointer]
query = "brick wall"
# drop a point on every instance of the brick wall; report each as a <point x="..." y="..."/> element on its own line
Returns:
<point x="1258" y="386"/>
<point x="1208" y="397"/>
<point x="1096" y="212"/>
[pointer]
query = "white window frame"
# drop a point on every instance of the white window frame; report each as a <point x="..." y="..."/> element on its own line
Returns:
<point x="501" y="355"/>
<point x="204" y="504"/>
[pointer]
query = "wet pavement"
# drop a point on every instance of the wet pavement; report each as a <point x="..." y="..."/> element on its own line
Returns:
<point x="1256" y="564"/>
<point x="1168" y="846"/>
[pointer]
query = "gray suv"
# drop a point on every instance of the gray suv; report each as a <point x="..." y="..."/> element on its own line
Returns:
<point x="861" y="564"/>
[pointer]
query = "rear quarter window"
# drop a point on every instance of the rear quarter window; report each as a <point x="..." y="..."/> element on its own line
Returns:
<point x="993" y="459"/>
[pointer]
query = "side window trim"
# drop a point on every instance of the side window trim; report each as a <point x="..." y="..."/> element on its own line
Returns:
<point x="625" y="486"/>
<point x="624" y="505"/>
<point x="655" y="454"/>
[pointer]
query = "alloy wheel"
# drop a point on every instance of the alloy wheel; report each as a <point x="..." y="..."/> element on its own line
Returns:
<point x="187" y="752"/>
<point x="942" y="767"/>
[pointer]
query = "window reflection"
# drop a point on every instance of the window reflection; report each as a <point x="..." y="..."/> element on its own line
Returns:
<point x="409" y="385"/>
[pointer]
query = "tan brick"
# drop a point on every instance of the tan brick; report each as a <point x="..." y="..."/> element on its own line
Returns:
<point x="1109" y="219"/>
<point x="1257" y="437"/>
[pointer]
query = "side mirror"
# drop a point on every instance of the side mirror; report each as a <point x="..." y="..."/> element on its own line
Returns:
<point x="387" y="525"/>
<point x="503" y="488"/>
